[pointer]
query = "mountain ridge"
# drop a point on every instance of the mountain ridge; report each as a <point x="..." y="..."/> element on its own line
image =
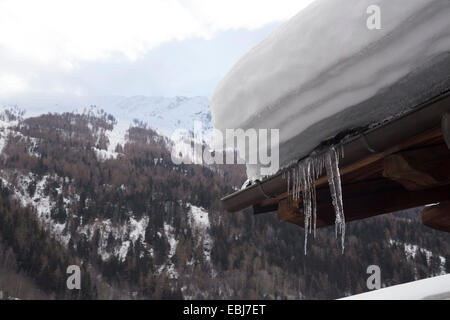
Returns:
<point x="163" y="114"/>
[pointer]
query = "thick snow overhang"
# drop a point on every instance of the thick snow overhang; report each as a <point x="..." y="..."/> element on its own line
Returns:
<point x="324" y="71"/>
<point x="323" y="78"/>
<point x="400" y="164"/>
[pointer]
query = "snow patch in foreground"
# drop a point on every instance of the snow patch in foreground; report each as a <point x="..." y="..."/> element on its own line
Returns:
<point x="437" y="288"/>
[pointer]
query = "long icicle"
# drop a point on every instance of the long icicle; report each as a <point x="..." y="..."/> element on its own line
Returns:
<point x="301" y="181"/>
<point x="334" y="181"/>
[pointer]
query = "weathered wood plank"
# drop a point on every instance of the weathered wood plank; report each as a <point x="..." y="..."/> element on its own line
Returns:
<point x="372" y="164"/>
<point x="293" y="214"/>
<point x="437" y="216"/>
<point x="397" y="168"/>
<point x="366" y="199"/>
<point x="384" y="201"/>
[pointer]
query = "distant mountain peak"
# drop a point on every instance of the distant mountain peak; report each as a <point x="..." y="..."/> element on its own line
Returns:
<point x="164" y="114"/>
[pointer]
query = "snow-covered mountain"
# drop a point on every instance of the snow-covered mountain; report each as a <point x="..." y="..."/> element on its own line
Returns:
<point x="156" y="233"/>
<point x="161" y="113"/>
<point x="164" y="114"/>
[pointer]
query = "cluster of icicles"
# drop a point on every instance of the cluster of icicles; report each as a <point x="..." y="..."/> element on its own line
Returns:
<point x="301" y="180"/>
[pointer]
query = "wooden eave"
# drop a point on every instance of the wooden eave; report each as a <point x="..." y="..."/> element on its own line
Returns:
<point x="410" y="168"/>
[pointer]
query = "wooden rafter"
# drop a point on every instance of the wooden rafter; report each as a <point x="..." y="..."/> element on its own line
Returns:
<point x="413" y="173"/>
<point x="437" y="216"/>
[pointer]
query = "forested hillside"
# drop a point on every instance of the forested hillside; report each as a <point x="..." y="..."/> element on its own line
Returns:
<point x="143" y="228"/>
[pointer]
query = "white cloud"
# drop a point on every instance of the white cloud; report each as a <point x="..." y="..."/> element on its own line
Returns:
<point x="11" y="84"/>
<point x="62" y="34"/>
<point x="66" y="31"/>
<point x="217" y="15"/>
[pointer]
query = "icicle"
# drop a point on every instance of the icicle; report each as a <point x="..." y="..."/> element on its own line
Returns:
<point x="301" y="181"/>
<point x="334" y="181"/>
<point x="304" y="176"/>
<point x="289" y="188"/>
<point x="313" y="179"/>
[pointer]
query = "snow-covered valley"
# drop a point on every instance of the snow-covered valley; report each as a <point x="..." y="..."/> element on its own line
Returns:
<point x="111" y="195"/>
<point x="59" y="203"/>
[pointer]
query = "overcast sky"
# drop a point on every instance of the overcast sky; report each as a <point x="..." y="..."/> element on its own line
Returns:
<point x="130" y="47"/>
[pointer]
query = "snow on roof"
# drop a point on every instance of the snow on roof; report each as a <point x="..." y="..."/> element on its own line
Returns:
<point x="437" y="288"/>
<point x="325" y="71"/>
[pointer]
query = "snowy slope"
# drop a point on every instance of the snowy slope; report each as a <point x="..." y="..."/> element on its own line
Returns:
<point x="432" y="288"/>
<point x="165" y="114"/>
<point x="9" y="117"/>
<point x="325" y="61"/>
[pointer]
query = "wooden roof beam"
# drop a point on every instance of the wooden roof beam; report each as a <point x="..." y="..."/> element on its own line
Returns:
<point x="437" y="216"/>
<point x="385" y="196"/>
